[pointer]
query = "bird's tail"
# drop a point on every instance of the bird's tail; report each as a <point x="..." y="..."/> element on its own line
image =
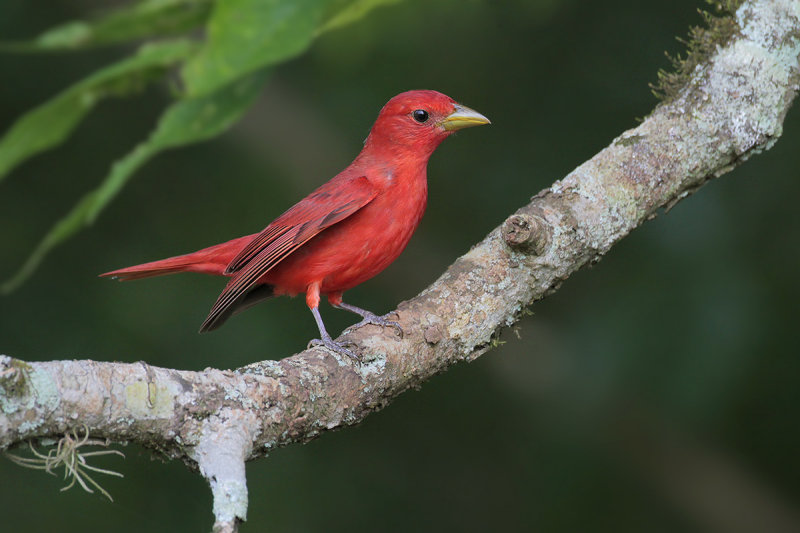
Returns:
<point x="149" y="270"/>
<point x="212" y="260"/>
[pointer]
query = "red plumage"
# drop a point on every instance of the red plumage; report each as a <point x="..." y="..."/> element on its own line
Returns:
<point x="342" y="234"/>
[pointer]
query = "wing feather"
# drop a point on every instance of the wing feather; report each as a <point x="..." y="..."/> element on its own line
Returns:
<point x="328" y="205"/>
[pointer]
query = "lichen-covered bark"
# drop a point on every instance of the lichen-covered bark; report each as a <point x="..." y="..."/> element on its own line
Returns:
<point x="733" y="107"/>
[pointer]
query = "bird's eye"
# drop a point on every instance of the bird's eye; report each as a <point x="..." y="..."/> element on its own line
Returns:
<point x="420" y="115"/>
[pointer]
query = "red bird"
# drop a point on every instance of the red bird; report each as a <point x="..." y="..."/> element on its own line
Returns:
<point x="343" y="233"/>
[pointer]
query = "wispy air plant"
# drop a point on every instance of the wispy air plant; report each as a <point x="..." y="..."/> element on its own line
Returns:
<point x="66" y="453"/>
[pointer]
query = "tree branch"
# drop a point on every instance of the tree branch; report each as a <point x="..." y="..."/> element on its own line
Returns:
<point x="731" y="108"/>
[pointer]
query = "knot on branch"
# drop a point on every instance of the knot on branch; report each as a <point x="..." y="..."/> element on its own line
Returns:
<point x="530" y="233"/>
<point x="12" y="378"/>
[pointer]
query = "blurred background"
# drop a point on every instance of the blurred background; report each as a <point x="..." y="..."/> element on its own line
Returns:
<point x="657" y="391"/>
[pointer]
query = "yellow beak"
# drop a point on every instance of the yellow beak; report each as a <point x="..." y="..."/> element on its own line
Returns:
<point x="463" y="117"/>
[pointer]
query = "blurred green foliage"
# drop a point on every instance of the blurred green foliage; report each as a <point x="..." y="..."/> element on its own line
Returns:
<point x="657" y="391"/>
<point x="139" y="20"/>
<point x="49" y="124"/>
<point x="221" y="79"/>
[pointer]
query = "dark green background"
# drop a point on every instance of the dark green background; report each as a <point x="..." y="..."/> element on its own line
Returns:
<point x="657" y="391"/>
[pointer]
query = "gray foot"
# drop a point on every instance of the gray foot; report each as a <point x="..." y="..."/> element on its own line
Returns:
<point x="370" y="318"/>
<point x="335" y="347"/>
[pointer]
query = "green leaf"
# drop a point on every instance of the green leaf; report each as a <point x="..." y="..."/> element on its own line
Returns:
<point x="147" y="18"/>
<point x="198" y="119"/>
<point x="51" y="123"/>
<point x="351" y="12"/>
<point x="184" y="122"/>
<point x="247" y="35"/>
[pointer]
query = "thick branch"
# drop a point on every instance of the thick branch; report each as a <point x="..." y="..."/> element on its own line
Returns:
<point x="732" y="108"/>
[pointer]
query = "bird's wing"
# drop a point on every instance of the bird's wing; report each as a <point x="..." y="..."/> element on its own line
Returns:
<point x="326" y="206"/>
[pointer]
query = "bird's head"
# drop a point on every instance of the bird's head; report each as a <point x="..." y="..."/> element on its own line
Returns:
<point x="420" y="120"/>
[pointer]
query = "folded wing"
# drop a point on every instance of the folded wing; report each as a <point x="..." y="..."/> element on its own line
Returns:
<point x="328" y="205"/>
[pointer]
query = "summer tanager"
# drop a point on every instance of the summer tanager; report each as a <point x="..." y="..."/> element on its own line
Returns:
<point x="343" y="233"/>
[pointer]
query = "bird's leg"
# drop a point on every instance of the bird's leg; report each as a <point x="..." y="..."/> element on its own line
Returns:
<point x="335" y="299"/>
<point x="326" y="339"/>
<point x="312" y="299"/>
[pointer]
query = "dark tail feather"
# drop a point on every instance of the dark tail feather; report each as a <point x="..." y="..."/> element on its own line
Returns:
<point x="257" y="295"/>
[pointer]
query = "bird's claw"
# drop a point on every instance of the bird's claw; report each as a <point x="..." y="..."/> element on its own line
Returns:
<point x="334" y="346"/>
<point x="377" y="321"/>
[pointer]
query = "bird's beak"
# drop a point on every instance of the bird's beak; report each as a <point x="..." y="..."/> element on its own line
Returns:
<point x="463" y="117"/>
